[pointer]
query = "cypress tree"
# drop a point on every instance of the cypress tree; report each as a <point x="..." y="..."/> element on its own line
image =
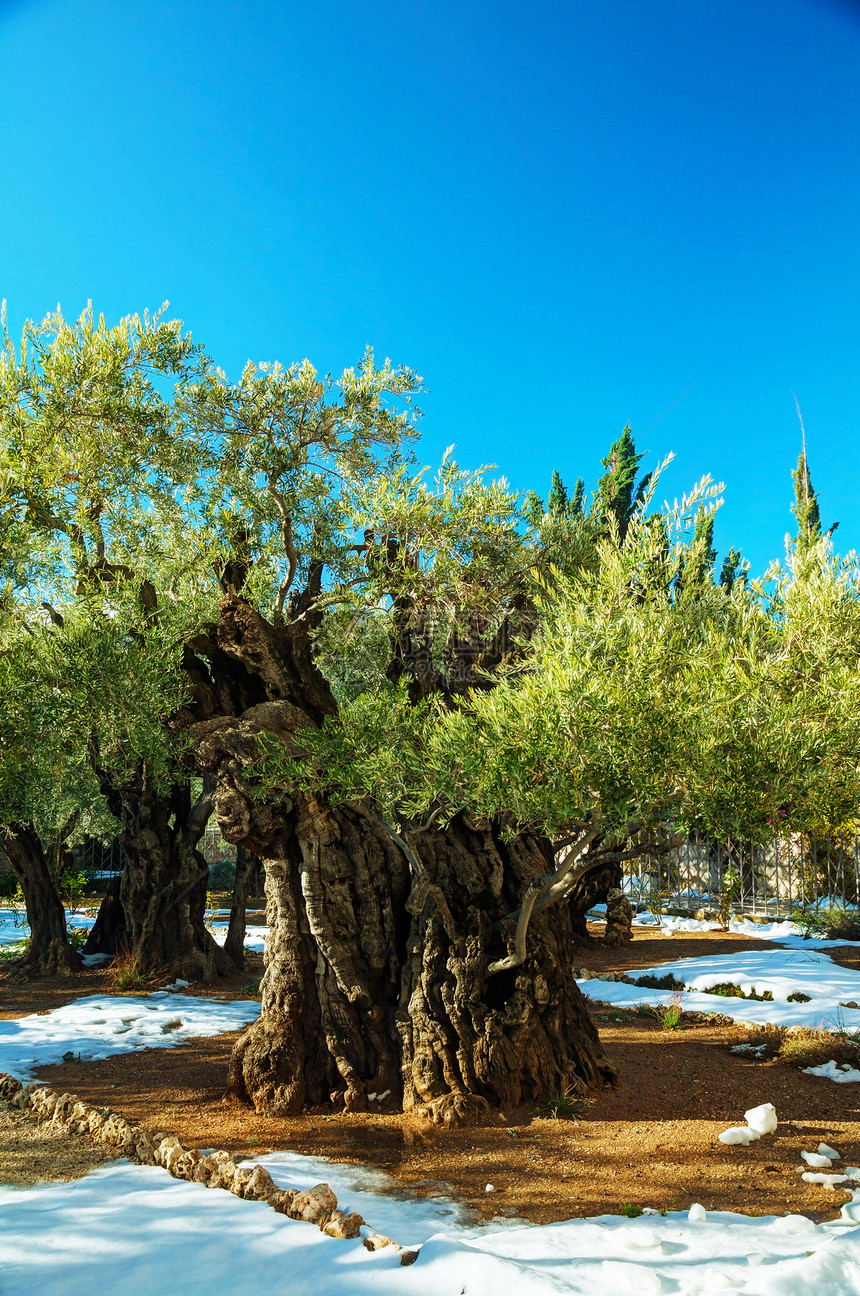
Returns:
<point x="732" y="570"/>
<point x="616" y="497"/>
<point x="575" y="507"/>
<point x="805" y="506"/>
<point x="557" y="502"/>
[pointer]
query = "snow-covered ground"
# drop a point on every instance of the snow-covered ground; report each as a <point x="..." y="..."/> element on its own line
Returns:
<point x="101" y="1026"/>
<point x="781" y="930"/>
<point x="255" y="934"/>
<point x="14" y="929"/>
<point x="133" y="1229"/>
<point x="783" y="972"/>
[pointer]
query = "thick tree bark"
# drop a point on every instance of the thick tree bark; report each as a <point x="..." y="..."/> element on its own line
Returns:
<point x="108" y="933"/>
<point x="162" y="892"/>
<point x="247" y="872"/>
<point x="588" y="891"/>
<point x="376" y="993"/>
<point x="49" y="951"/>
<point x="377" y="997"/>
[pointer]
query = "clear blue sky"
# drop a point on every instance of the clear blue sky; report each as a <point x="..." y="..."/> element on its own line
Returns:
<point x="561" y="214"/>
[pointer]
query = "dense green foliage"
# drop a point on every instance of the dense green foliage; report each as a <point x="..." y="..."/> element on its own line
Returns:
<point x="612" y="674"/>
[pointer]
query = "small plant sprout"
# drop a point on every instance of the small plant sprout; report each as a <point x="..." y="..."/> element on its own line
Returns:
<point x="566" y="1103"/>
<point x="670" y="1013"/>
<point x="730" y="892"/>
<point x="129" y="971"/>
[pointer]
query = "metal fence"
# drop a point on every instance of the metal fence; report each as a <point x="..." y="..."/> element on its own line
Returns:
<point x="100" y="860"/>
<point x="214" y="848"/>
<point x="797" y="872"/>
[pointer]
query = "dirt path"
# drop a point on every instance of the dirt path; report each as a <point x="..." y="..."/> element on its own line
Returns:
<point x="651" y="1141"/>
<point x="31" y="1153"/>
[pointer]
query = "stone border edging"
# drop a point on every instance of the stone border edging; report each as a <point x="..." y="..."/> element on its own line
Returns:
<point x="68" y="1115"/>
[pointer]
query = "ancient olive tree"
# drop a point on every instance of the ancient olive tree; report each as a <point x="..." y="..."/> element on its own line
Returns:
<point x="47" y="797"/>
<point x="634" y="710"/>
<point x="384" y="924"/>
<point x="97" y="476"/>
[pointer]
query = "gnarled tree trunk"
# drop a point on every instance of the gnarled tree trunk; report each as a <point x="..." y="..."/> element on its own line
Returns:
<point x="377" y="993"/>
<point x="49" y="950"/>
<point x="107" y="934"/>
<point x="162" y="890"/>
<point x="247" y="873"/>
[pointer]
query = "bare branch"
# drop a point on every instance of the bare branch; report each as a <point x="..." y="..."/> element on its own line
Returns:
<point x="546" y="890"/>
<point x="289" y="547"/>
<point x="55" y="616"/>
<point x="200" y="812"/>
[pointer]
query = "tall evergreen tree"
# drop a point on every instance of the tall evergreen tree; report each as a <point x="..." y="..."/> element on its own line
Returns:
<point x="732" y="570"/>
<point x="805" y="506"/>
<point x="557" y="503"/>
<point x="617" y="493"/>
<point x="696" y="566"/>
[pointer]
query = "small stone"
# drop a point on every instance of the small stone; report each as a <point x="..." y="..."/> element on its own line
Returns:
<point x="187" y="1164"/>
<point x="345" y="1226"/>
<point x="224" y="1171"/>
<point x="210" y="1170"/>
<point x="122" y="1135"/>
<point x="240" y="1179"/>
<point x="63" y="1106"/>
<point x="22" y="1098"/>
<point x="163" y="1148"/>
<point x="283" y="1200"/>
<point x="409" y="1257"/>
<point x="314" y="1206"/>
<point x="204" y="1170"/>
<point x="259" y="1186"/>
<point x="171" y="1160"/>
<point x="9" y="1086"/>
<point x="144" y="1148"/>
<point x="378" y="1242"/>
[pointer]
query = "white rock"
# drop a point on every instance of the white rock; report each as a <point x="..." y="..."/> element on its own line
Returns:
<point x="817" y="1161"/>
<point x="642" y="1239"/>
<point x="763" y="1118"/>
<point x="697" y="1214"/>
<point x="826" y="1180"/>
<point x="739" y="1134"/>
<point x="489" y="1188"/>
<point x="833" y="1071"/>
<point x="824" y="1150"/>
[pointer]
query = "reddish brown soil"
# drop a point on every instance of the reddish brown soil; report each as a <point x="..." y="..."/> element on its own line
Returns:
<point x="651" y="1140"/>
